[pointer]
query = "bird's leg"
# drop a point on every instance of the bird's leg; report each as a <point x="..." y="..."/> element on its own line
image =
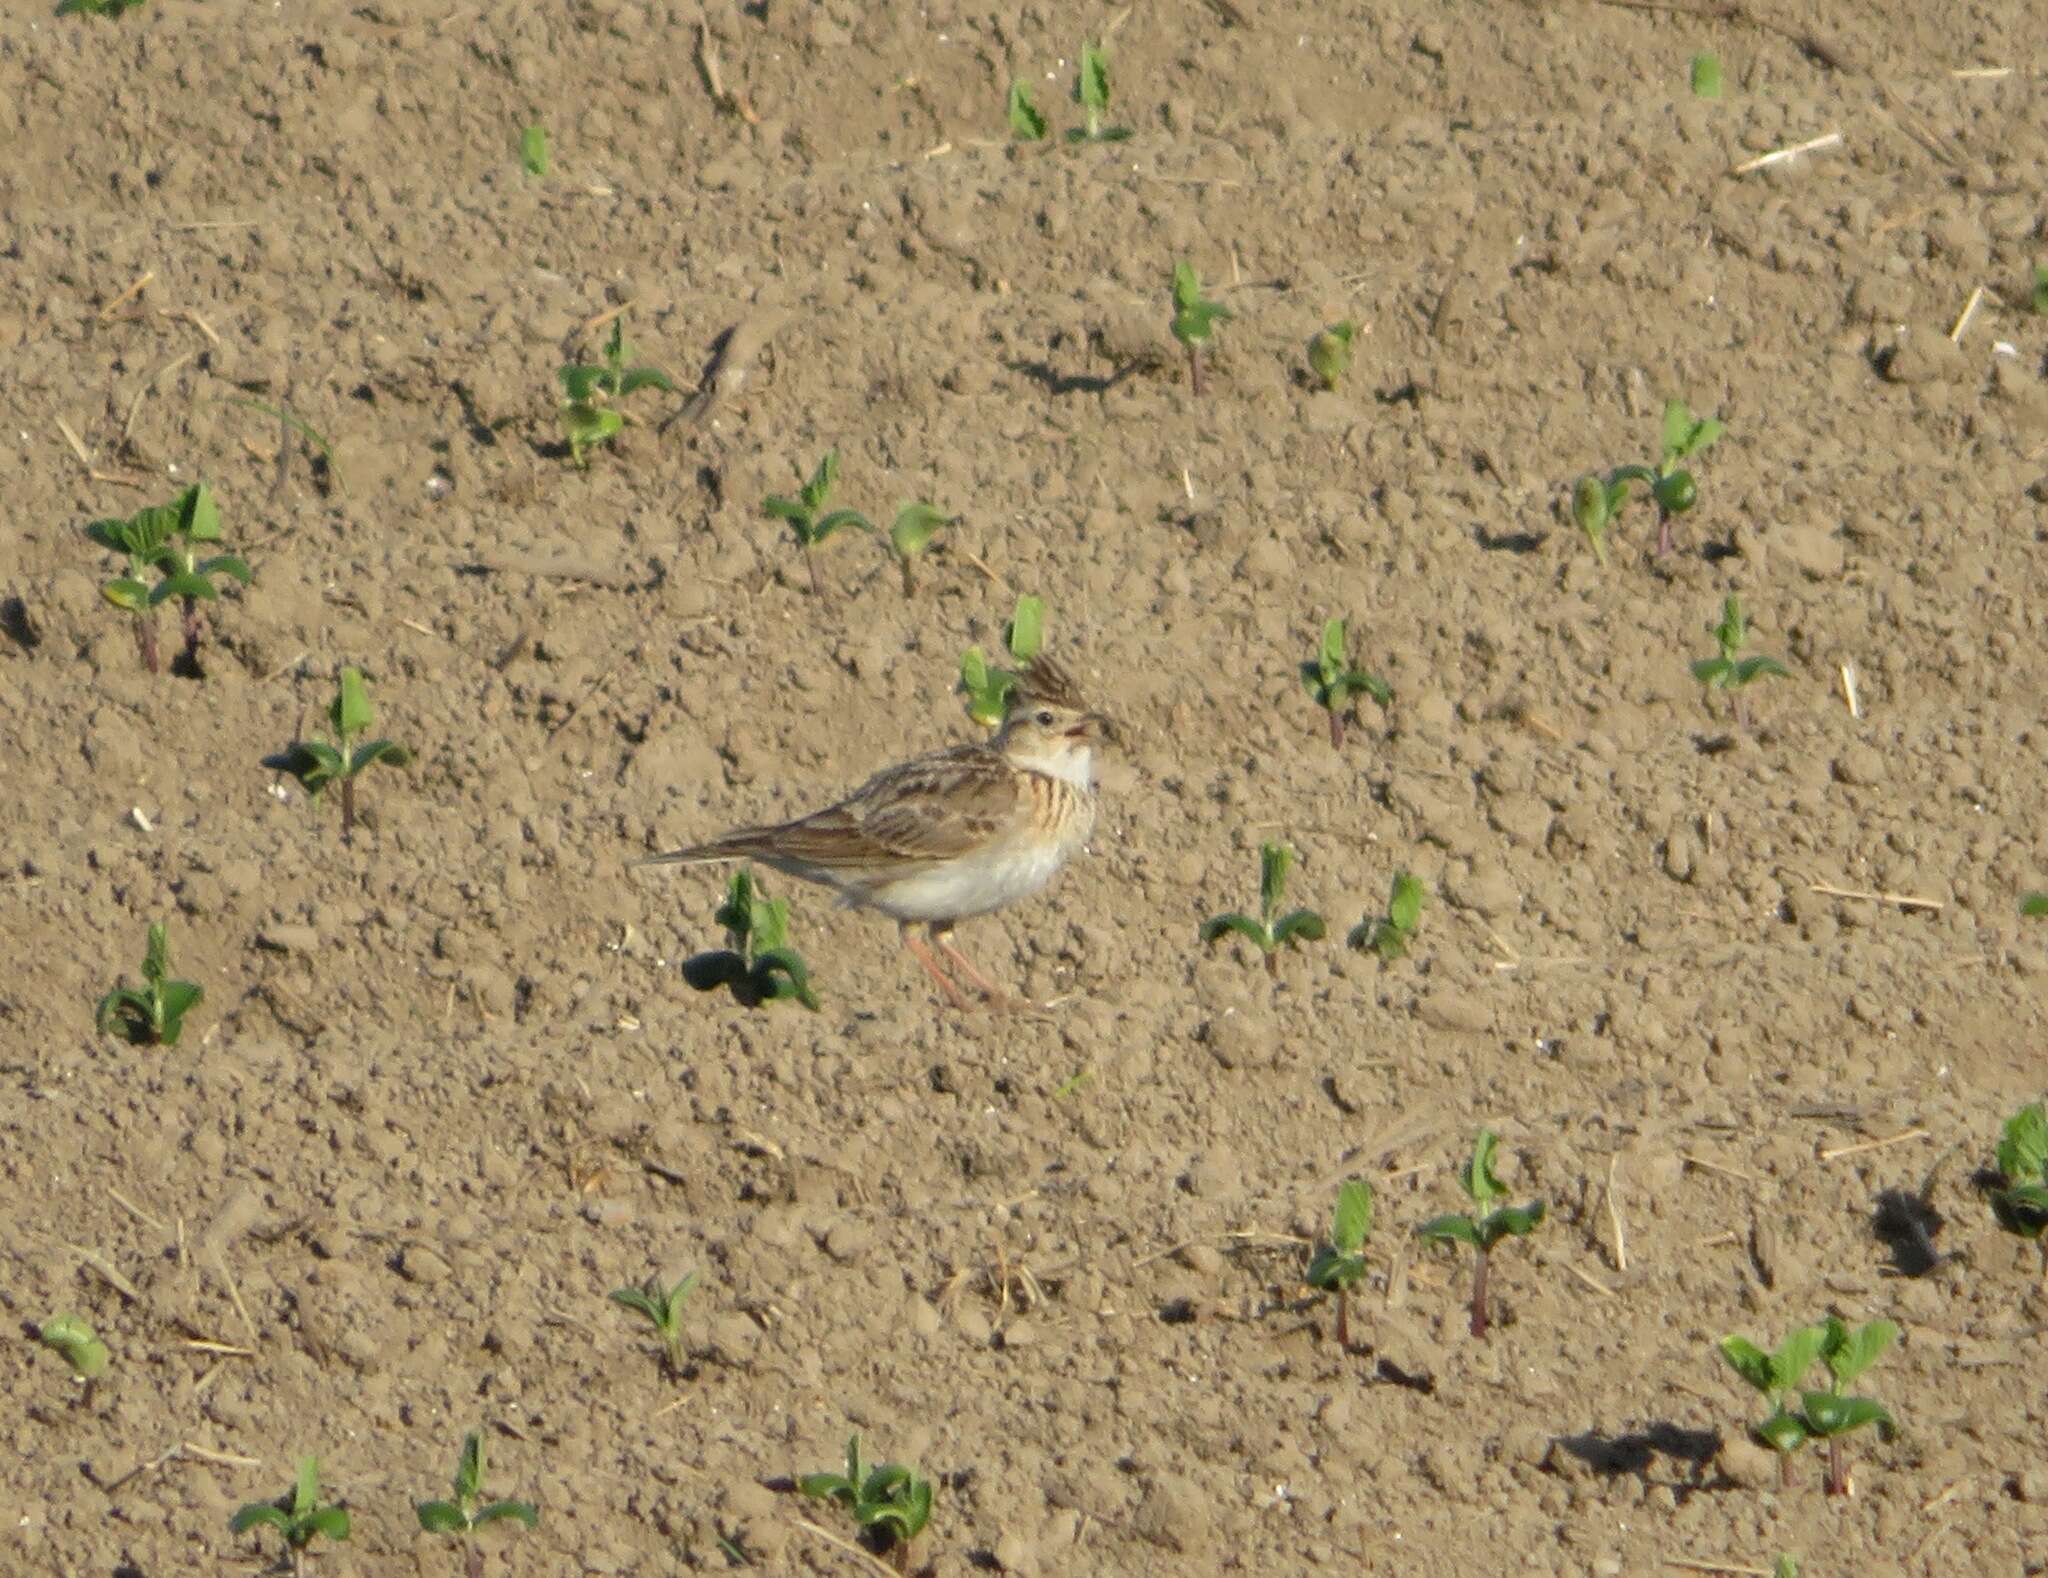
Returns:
<point x="923" y="955"/>
<point x="942" y="934"/>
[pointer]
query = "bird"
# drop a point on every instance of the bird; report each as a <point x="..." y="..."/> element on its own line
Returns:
<point x="949" y="835"/>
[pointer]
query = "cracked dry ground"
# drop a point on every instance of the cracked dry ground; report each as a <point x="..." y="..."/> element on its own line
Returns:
<point x="447" y="1088"/>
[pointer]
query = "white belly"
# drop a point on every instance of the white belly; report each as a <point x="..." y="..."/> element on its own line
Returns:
<point x="972" y="886"/>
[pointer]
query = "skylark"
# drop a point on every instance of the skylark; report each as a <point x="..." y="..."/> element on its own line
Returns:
<point x="950" y="835"/>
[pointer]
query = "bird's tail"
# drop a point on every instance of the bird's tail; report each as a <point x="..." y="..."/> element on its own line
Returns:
<point x="746" y="843"/>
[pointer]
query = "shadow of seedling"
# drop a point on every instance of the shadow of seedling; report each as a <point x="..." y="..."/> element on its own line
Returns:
<point x="1905" y="1223"/>
<point x="759" y="966"/>
<point x="1637" y="1452"/>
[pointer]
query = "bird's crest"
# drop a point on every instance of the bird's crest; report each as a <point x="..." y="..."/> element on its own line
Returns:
<point x="1043" y="680"/>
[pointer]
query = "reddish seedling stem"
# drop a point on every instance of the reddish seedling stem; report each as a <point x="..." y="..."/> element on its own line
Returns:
<point x="1664" y="543"/>
<point x="1195" y="370"/>
<point x="1336" y="729"/>
<point x="1838" y="1468"/>
<point x="145" y="643"/>
<point x="811" y="564"/>
<point x="195" y="628"/>
<point x="1273" y="963"/>
<point x="1479" y="1293"/>
<point x="1343" y="1321"/>
<point x="348" y="806"/>
<point x="1785" y="1470"/>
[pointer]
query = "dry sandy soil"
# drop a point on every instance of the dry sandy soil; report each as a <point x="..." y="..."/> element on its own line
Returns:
<point x="447" y="1086"/>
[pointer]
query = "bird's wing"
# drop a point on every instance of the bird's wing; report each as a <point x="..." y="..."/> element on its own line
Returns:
<point x="935" y="808"/>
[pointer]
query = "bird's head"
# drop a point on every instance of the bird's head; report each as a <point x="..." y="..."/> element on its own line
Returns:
<point x="1048" y="728"/>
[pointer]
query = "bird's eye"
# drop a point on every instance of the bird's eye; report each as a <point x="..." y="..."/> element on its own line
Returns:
<point x="1044" y="718"/>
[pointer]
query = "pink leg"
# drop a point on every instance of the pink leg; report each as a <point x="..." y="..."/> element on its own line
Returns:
<point x="923" y="955"/>
<point x="998" y="998"/>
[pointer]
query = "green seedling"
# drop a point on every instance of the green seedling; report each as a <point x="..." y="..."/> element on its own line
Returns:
<point x="1798" y="1415"/>
<point x="759" y="965"/>
<point x="1341" y="1267"/>
<point x="1027" y="123"/>
<point x="1194" y="318"/>
<point x="534" y="157"/>
<point x="1388" y="935"/>
<point x="807" y="515"/>
<point x="2021" y="1205"/>
<point x="72" y="1337"/>
<point x="1334" y="685"/>
<point x="1329" y="352"/>
<point x="664" y="1311"/>
<point x="96" y="7"/>
<point x="154" y="1013"/>
<point x="1487" y="1225"/>
<point x="300" y="1519"/>
<point x="912" y="533"/>
<point x="1272" y="930"/>
<point x="987" y="687"/>
<point x="1091" y="92"/>
<point x="1777" y="1376"/>
<point x="2039" y="294"/>
<point x="317" y="764"/>
<point x="162" y="538"/>
<point x="1597" y="502"/>
<point x="890" y="1504"/>
<point x="1706" y="76"/>
<point x="1727" y="670"/>
<point x="468" y="1511"/>
<point x="1787" y="1566"/>
<point x="589" y="416"/>
<point x="2034" y="904"/>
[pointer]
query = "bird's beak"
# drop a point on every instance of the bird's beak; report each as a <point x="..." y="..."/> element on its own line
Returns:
<point x="1091" y="726"/>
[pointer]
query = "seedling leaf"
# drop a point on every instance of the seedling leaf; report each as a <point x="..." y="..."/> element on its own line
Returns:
<point x="73" y="1337"/>
<point x="227" y="564"/>
<point x="1850" y="1353"/>
<point x="1025" y="120"/>
<point x="1329" y="353"/>
<point x="1783" y="1432"/>
<point x="2023" y="1150"/>
<point x="1706" y="76"/>
<point x="533" y="150"/>
<point x="440" y="1517"/>
<point x="1026" y="633"/>
<point x="2034" y="904"/>
<point x="1831" y="1414"/>
<point x="127" y="594"/>
<point x="389" y="751"/>
<point x="1796" y="1354"/>
<point x="838" y="518"/>
<point x="1451" y="1229"/>
<point x="524" y="1511"/>
<point x="350" y="712"/>
<point x="1298" y="926"/>
<point x="1353" y="1218"/>
<point x="1478" y="1178"/>
<point x="1404" y="908"/>
<point x="190" y="585"/>
<point x="1751" y="1363"/>
<point x="914" y="528"/>
<point x="259" y="1514"/>
<point x="636" y="378"/>
<point x="1274" y="862"/>
<point x="329" y="1521"/>
<point x="1244" y="926"/>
